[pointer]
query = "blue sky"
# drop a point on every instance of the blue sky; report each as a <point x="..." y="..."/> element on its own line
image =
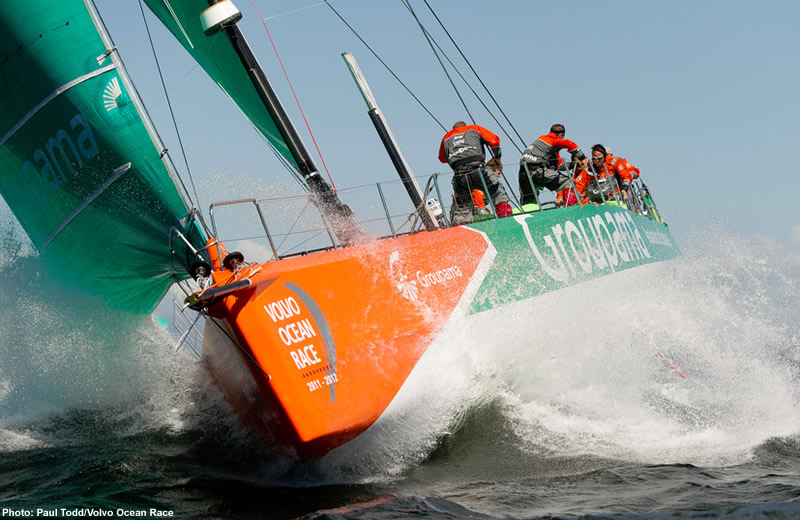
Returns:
<point x="701" y="95"/>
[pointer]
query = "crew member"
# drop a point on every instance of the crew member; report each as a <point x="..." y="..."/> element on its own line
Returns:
<point x="620" y="166"/>
<point x="542" y="160"/>
<point x="571" y="195"/>
<point x="601" y="182"/>
<point x="462" y="149"/>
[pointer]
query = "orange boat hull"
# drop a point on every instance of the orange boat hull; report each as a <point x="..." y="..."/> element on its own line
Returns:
<point x="317" y="348"/>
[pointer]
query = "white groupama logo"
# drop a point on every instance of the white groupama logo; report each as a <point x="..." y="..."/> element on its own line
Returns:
<point x="111" y="93"/>
<point x="407" y="288"/>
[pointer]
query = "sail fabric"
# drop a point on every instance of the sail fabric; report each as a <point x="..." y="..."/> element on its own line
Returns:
<point x="218" y="58"/>
<point x="78" y="164"/>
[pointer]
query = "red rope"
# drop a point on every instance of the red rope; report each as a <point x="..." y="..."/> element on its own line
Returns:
<point x="295" y="95"/>
<point x="672" y="365"/>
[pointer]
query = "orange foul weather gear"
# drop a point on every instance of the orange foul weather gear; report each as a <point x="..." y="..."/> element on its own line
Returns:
<point x="594" y="188"/>
<point x="464" y="145"/>
<point x="620" y="166"/>
<point x="462" y="149"/>
<point x="542" y="160"/>
<point x="544" y="151"/>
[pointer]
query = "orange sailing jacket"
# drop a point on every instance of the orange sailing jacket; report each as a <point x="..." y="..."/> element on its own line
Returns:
<point x="583" y="180"/>
<point x="544" y="151"/>
<point x="464" y="145"/>
<point x="622" y="167"/>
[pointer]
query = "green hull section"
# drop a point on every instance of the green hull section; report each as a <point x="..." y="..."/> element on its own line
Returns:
<point x="80" y="169"/>
<point x="540" y="252"/>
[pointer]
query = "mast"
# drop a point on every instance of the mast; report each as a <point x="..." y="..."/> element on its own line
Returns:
<point x="223" y="15"/>
<point x="393" y="149"/>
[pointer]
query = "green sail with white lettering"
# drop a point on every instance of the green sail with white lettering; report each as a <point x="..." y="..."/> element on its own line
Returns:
<point x="219" y="59"/>
<point x="79" y="166"/>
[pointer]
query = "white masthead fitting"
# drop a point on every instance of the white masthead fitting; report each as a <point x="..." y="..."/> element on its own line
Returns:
<point x="219" y="15"/>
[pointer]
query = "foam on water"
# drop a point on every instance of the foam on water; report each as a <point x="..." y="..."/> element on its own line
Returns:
<point x="595" y="370"/>
<point x="589" y="371"/>
<point x="61" y="351"/>
<point x="11" y="441"/>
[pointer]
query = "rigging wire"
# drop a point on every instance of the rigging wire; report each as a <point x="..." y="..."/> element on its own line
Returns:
<point x="175" y="85"/>
<point x="474" y="71"/>
<point x="169" y="104"/>
<point x="478" y="97"/>
<point x="425" y="33"/>
<point x="431" y="42"/>
<point x="286" y="75"/>
<point x="294" y="11"/>
<point x="386" y="66"/>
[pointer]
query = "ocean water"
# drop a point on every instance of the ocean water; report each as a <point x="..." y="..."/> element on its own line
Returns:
<point x="667" y="391"/>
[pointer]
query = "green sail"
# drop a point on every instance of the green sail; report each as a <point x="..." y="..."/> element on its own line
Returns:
<point x="79" y="167"/>
<point x="219" y="59"/>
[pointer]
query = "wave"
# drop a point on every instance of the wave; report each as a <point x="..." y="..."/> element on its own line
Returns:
<point x="693" y="361"/>
<point x="563" y="383"/>
<point x="63" y="353"/>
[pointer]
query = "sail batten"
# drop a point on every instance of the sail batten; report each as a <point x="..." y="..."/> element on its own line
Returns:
<point x="119" y="172"/>
<point x="60" y="90"/>
<point x="143" y="115"/>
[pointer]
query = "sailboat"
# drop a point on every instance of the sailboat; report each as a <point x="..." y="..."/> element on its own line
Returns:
<point x="309" y="348"/>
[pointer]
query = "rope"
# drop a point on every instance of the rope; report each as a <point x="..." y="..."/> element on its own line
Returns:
<point x="474" y="72"/>
<point x="169" y="104"/>
<point x="385" y="65"/>
<point x="286" y="75"/>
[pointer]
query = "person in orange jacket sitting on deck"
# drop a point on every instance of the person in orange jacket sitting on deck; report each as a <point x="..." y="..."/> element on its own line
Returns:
<point x="542" y="160"/>
<point x="599" y="183"/>
<point x="462" y="149"/>
<point x="569" y="196"/>
<point x="622" y="168"/>
<point x="607" y="166"/>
